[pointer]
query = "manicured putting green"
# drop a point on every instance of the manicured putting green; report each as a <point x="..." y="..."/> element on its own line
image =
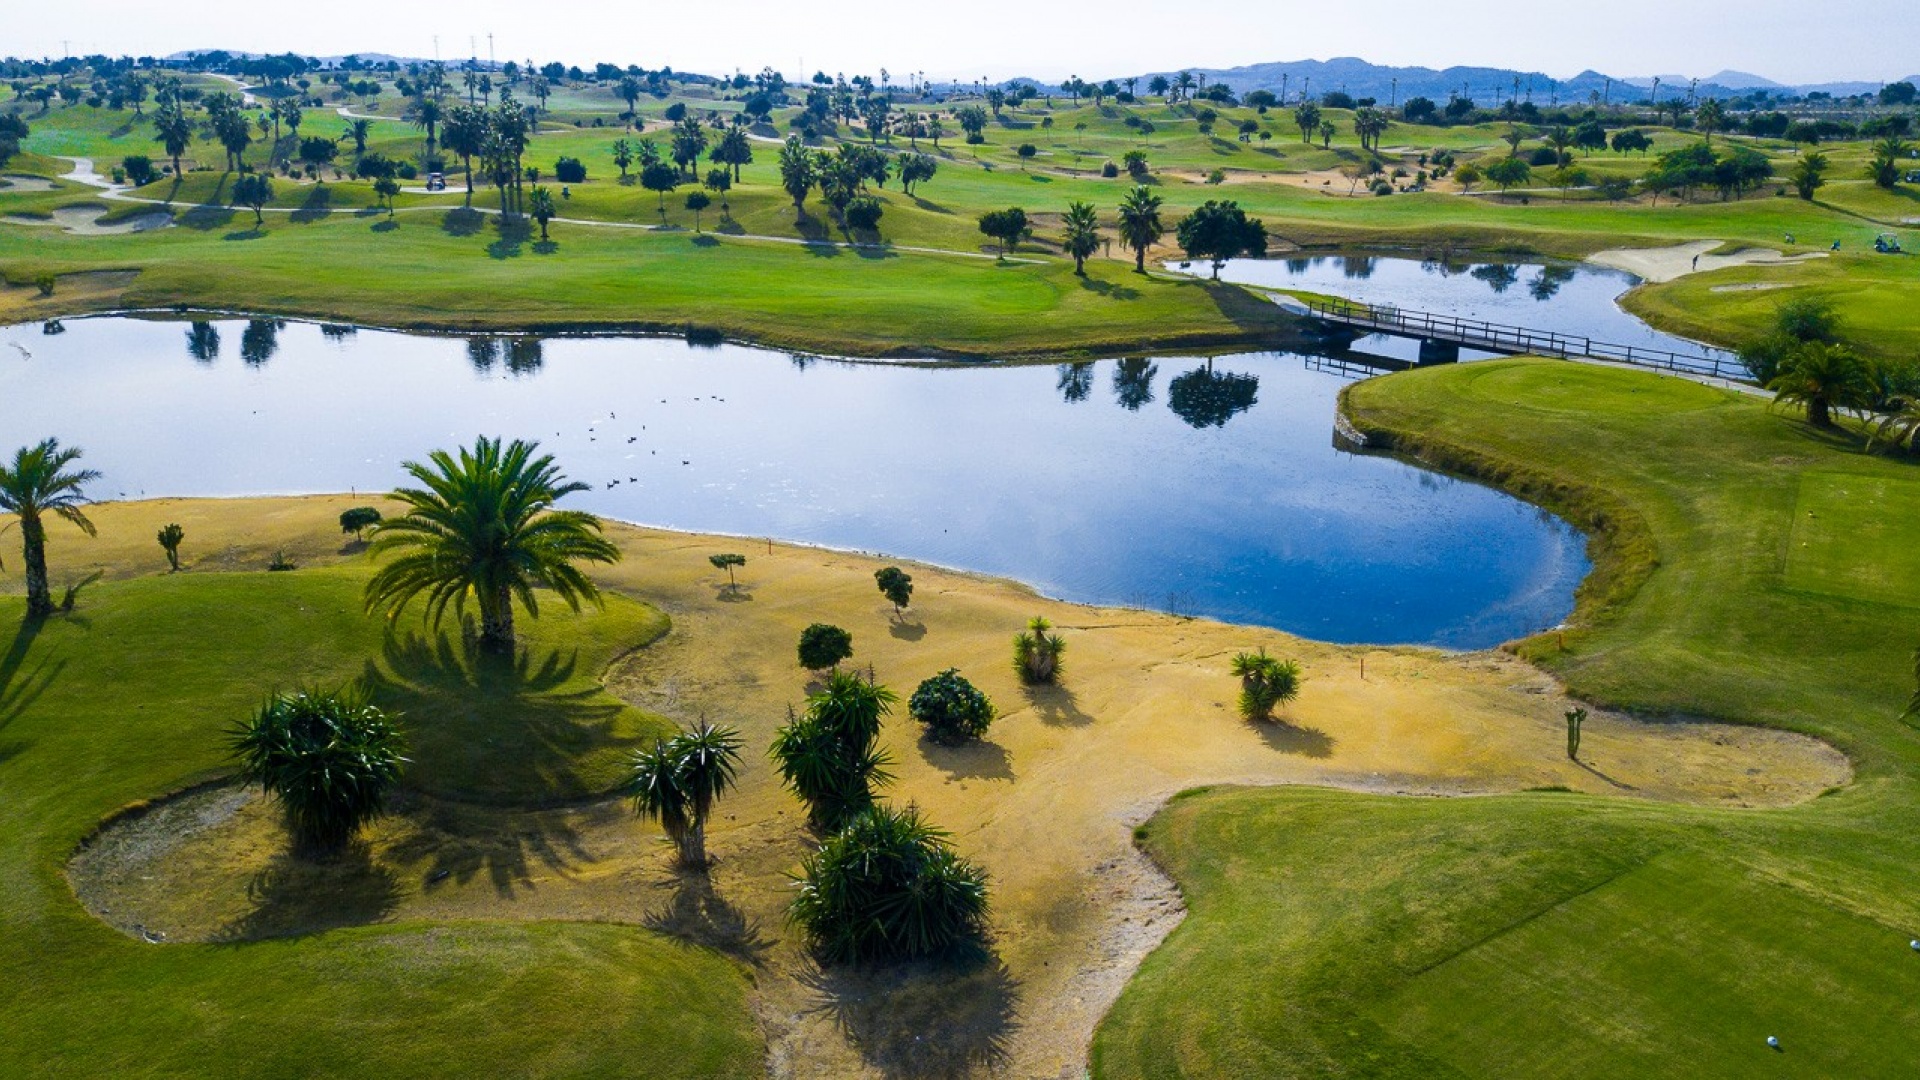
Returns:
<point x="1687" y="959"/>
<point x="1853" y="537"/>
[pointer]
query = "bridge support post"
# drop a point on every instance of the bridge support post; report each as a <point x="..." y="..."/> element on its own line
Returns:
<point x="1436" y="351"/>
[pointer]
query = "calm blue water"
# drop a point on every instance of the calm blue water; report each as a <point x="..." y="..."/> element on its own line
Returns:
<point x="1156" y="483"/>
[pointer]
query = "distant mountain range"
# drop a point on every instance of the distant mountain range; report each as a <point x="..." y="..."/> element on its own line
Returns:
<point x="1485" y="84"/>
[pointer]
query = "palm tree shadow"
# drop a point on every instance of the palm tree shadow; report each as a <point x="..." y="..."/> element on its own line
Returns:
<point x="1290" y="739"/>
<point x="296" y="895"/>
<point x="696" y="912"/>
<point x="19" y="691"/>
<point x="935" y="1018"/>
<point x="460" y="843"/>
<point x="1056" y="705"/>
<point x="492" y="728"/>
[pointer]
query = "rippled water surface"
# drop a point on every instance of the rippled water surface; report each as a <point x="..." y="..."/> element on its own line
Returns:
<point x="1173" y="483"/>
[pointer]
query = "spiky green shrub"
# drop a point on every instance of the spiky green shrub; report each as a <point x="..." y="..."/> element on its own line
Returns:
<point x="328" y="757"/>
<point x="828" y="754"/>
<point x="952" y="708"/>
<point x="677" y="781"/>
<point x="1036" y="653"/>
<point x="1266" y="682"/>
<point x="888" y="886"/>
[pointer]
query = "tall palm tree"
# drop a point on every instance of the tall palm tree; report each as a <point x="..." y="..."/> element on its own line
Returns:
<point x="1081" y="236"/>
<point x="1823" y="377"/>
<point x="677" y="781"/>
<point x="1140" y="226"/>
<point x="35" y="485"/>
<point x="483" y="526"/>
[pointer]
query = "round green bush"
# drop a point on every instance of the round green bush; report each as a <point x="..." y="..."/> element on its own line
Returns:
<point x="952" y="709"/>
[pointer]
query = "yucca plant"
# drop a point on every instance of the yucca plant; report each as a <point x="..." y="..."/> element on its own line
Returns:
<point x="888" y="886"/>
<point x="1265" y="683"/>
<point x="170" y="537"/>
<point x="1899" y="429"/>
<point x="677" y="781"/>
<point x="328" y="757"/>
<point x="1036" y="653"/>
<point x="828" y="755"/>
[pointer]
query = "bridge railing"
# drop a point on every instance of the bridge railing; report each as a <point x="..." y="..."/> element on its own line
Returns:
<point x="1500" y="337"/>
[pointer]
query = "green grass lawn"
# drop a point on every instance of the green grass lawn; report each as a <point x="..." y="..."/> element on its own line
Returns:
<point x="1548" y="935"/>
<point x="964" y="313"/>
<point x="130" y="697"/>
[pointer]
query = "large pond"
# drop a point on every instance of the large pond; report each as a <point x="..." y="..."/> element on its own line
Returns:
<point x="1573" y="299"/>
<point x="1171" y="483"/>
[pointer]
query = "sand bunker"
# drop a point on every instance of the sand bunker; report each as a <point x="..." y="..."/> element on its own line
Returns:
<point x="86" y="220"/>
<point x="1668" y="263"/>
<point x="26" y="183"/>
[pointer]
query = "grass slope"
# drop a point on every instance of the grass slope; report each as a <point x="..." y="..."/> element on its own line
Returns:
<point x="1561" y="935"/>
<point x="130" y="697"/>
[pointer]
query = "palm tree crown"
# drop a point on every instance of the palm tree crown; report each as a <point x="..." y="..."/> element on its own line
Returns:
<point x="37" y="484"/>
<point x="1140" y="226"/>
<point x="483" y="526"/>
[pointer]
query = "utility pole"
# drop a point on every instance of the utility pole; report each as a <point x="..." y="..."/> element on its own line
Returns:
<point x="1393" y="99"/>
<point x="1606" y="96"/>
<point x="489" y="50"/>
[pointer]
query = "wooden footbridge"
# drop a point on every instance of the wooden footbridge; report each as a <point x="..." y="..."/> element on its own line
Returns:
<point x="1442" y="337"/>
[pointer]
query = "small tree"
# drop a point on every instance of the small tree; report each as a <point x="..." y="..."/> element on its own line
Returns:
<point x="720" y="181"/>
<point x="622" y="155"/>
<point x="1809" y="174"/>
<point x="677" y="782"/>
<point x="139" y="169"/>
<point x="540" y="207"/>
<point x="570" y="170"/>
<point x="1265" y="682"/>
<point x="696" y="202"/>
<point x="1510" y="172"/>
<point x="896" y="585"/>
<point x="1822" y="377"/>
<point x="1219" y="231"/>
<point x="253" y="191"/>
<point x="1036" y="653"/>
<point x="823" y="646"/>
<point x="386" y="188"/>
<point x="1007" y="226"/>
<point x="1467" y="175"/>
<point x="170" y="537"/>
<point x="1026" y="152"/>
<point x="358" y="520"/>
<point x="889" y="886"/>
<point x="951" y="708"/>
<point x="727" y="562"/>
<point x="327" y="757"/>
<point x="660" y="177"/>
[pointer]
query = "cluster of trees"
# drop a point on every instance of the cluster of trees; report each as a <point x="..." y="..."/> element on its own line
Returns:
<point x="1217" y="231"/>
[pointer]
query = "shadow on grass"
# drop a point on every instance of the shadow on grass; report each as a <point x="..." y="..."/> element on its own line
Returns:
<point x="1617" y="784"/>
<point x="254" y="233"/>
<point x="729" y="227"/>
<point x="21" y="686"/>
<point x="389" y="225"/>
<point x="512" y="234"/>
<point x="207" y="217"/>
<point x="317" y="207"/>
<point x="906" y="631"/>
<point x="1289" y="739"/>
<point x="1056" y="705"/>
<point x="928" y="1019"/>
<point x="698" y="913"/>
<point x="969" y="760"/>
<point x="704" y="241"/>
<point x="930" y="207"/>
<point x="462" y="221"/>
<point x="733" y="594"/>
<point x="484" y="728"/>
<point x="300" y="895"/>
<point x="1110" y="290"/>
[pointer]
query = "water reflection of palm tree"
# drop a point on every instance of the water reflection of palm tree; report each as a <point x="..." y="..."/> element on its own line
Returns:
<point x="203" y="342"/>
<point x="1133" y="383"/>
<point x="1075" y="383"/>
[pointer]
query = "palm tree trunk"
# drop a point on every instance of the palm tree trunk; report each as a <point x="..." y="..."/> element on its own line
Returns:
<point x="693" y="846"/>
<point x="496" y="622"/>
<point x="34" y="537"/>
<point x="1817" y="414"/>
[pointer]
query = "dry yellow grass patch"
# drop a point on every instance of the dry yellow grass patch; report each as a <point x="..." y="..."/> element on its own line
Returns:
<point x="1045" y="803"/>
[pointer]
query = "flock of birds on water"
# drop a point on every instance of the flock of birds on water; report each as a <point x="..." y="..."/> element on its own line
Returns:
<point x="631" y="439"/>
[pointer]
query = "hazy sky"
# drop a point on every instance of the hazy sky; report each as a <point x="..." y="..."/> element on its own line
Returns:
<point x="1788" y="40"/>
